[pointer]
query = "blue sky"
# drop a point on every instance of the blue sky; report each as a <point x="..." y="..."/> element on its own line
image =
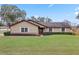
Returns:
<point x="57" y="12"/>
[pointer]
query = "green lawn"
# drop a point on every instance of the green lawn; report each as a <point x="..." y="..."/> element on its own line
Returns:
<point x="51" y="44"/>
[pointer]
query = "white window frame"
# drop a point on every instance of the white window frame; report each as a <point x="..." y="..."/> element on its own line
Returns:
<point x="24" y="27"/>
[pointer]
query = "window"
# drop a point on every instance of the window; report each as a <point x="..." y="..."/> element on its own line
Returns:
<point x="63" y="29"/>
<point x="50" y="29"/>
<point x="24" y="29"/>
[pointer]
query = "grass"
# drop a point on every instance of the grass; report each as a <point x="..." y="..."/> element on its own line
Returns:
<point x="35" y="45"/>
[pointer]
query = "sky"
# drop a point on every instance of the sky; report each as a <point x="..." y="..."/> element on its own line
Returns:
<point x="57" y="12"/>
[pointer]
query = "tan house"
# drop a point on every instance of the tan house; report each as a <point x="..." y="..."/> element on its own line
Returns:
<point x="37" y="28"/>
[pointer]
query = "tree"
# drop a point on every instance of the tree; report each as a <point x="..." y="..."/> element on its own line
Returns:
<point x="44" y="19"/>
<point x="67" y="21"/>
<point x="9" y="13"/>
<point x="33" y="18"/>
<point x="41" y="19"/>
<point x="77" y="17"/>
<point x="48" y="20"/>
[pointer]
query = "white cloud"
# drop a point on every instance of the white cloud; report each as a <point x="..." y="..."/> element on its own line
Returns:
<point x="51" y="5"/>
<point x="36" y="16"/>
<point x="76" y="13"/>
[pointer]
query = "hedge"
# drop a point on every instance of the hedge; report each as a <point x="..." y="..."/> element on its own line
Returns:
<point x="7" y="33"/>
<point x="53" y="33"/>
<point x="46" y="33"/>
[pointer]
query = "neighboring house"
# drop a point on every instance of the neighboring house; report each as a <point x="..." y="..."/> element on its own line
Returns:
<point x="36" y="28"/>
<point x="3" y="29"/>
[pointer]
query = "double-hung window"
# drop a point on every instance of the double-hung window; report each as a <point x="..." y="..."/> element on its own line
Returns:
<point x="24" y="29"/>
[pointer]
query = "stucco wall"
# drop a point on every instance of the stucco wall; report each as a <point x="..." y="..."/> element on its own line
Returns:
<point x="32" y="29"/>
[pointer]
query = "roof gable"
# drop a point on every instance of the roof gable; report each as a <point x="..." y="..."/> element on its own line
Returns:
<point x="33" y="23"/>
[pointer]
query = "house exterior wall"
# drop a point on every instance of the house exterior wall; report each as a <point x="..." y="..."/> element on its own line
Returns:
<point x="53" y="30"/>
<point x="32" y="29"/>
<point x="57" y="30"/>
<point x="46" y="30"/>
<point x="68" y="30"/>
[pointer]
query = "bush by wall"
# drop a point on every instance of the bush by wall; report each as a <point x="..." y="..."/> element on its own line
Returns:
<point x="7" y="33"/>
<point x="56" y="33"/>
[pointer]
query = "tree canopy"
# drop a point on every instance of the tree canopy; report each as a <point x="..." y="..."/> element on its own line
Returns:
<point x="77" y="17"/>
<point x="41" y="19"/>
<point x="10" y="13"/>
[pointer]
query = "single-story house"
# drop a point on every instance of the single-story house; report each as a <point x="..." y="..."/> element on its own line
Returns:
<point x="37" y="28"/>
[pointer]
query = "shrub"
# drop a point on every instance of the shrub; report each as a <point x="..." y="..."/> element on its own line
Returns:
<point x="7" y="33"/>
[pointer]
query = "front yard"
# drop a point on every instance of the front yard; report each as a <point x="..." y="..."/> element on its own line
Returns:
<point x="51" y="44"/>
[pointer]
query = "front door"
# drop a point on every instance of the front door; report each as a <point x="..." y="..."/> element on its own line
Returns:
<point x="40" y="31"/>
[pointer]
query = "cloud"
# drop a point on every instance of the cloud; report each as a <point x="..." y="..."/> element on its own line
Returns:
<point x="36" y="16"/>
<point x="76" y="13"/>
<point x="51" y="5"/>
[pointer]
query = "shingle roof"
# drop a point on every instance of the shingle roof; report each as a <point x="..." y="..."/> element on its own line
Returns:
<point x="49" y="24"/>
<point x="33" y="23"/>
<point x="54" y="24"/>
